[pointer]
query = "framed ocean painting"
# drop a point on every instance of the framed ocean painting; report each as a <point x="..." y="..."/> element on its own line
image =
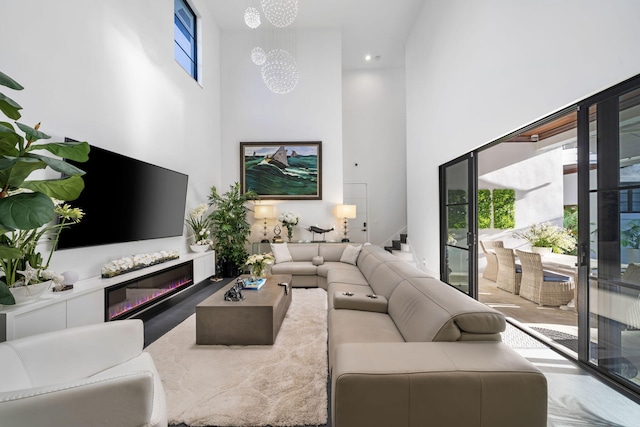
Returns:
<point x="282" y="170"/>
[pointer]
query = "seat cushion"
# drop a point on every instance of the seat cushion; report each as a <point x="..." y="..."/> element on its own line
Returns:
<point x="350" y="274"/>
<point x="354" y="326"/>
<point x="549" y="276"/>
<point x="297" y="268"/>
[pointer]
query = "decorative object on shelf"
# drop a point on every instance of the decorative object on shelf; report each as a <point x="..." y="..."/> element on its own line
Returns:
<point x="317" y="230"/>
<point x="276" y="55"/>
<point x="235" y="292"/>
<point x="264" y="212"/>
<point x="29" y="269"/>
<point x="282" y="170"/>
<point x="229" y="227"/>
<point x="258" y="264"/>
<point x="254" y="284"/>
<point x="346" y="212"/>
<point x="27" y="294"/>
<point x="289" y="220"/>
<point x="137" y="262"/>
<point x="547" y="235"/>
<point x="199" y="248"/>
<point x="200" y="225"/>
<point x="276" y="234"/>
<point x="27" y="206"/>
<point x="69" y="278"/>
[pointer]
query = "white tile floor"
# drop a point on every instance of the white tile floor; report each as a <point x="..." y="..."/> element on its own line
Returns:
<point x="576" y="398"/>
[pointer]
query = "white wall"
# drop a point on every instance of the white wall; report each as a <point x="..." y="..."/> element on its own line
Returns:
<point x="477" y="70"/>
<point x="312" y="112"/>
<point x="103" y="72"/>
<point x="374" y="133"/>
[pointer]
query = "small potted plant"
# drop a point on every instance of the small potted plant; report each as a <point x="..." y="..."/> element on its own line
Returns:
<point x="199" y="225"/>
<point x="547" y="238"/>
<point x="258" y="264"/>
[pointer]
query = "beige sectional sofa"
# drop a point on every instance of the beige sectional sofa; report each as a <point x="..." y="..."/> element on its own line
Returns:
<point x="406" y="349"/>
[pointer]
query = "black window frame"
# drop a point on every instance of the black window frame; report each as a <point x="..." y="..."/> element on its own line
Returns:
<point x="181" y="26"/>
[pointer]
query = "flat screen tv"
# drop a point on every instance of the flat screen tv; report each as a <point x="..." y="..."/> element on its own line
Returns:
<point x="126" y="200"/>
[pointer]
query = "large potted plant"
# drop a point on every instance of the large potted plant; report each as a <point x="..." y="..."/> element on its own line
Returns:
<point x="27" y="206"/>
<point x="229" y="227"/>
<point x="548" y="236"/>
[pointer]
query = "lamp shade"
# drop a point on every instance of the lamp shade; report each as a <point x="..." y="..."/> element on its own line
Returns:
<point x="263" y="211"/>
<point x="346" y="211"/>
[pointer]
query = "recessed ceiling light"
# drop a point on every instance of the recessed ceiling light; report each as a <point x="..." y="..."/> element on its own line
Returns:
<point x="367" y="58"/>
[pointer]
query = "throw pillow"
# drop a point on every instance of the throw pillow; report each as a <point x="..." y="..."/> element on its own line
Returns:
<point x="281" y="252"/>
<point x="317" y="260"/>
<point x="350" y="254"/>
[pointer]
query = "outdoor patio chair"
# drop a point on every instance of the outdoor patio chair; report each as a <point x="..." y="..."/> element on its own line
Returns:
<point x="509" y="273"/>
<point x="491" y="270"/>
<point x="541" y="286"/>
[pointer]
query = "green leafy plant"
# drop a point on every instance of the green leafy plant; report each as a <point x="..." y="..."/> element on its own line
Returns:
<point x="630" y="236"/>
<point x="504" y="208"/>
<point x="457" y="209"/>
<point x="27" y="204"/>
<point x="229" y="227"/>
<point x="484" y="209"/>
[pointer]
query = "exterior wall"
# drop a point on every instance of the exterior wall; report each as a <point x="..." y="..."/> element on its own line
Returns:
<point x="478" y="70"/>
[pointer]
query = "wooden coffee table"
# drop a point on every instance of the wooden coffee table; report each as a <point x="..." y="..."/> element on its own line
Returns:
<point x="254" y="320"/>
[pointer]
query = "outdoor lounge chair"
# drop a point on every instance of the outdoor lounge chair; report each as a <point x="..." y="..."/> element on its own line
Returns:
<point x="509" y="273"/>
<point x="491" y="270"/>
<point x="543" y="287"/>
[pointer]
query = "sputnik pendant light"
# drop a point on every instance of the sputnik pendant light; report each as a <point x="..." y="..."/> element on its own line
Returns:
<point x="276" y="50"/>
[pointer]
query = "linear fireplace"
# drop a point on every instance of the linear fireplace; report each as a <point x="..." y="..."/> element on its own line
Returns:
<point x="129" y="298"/>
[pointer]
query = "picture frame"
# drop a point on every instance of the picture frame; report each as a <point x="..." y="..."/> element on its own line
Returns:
<point x="282" y="170"/>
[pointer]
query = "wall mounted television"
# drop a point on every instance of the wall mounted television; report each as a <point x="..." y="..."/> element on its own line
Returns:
<point x="126" y="200"/>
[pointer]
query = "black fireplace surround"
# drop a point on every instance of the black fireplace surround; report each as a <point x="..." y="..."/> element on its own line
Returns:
<point x="132" y="297"/>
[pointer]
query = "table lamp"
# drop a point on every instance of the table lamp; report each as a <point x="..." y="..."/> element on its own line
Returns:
<point x="263" y="212"/>
<point x="346" y="212"/>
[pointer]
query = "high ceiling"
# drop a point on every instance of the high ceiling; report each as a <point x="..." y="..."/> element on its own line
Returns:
<point x="377" y="28"/>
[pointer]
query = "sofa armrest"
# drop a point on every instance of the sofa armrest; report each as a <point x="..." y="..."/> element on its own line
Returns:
<point x="116" y="400"/>
<point x="359" y="301"/>
<point x="402" y="384"/>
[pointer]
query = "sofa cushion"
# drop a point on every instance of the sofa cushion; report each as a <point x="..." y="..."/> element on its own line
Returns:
<point x="350" y="254"/>
<point x="299" y="268"/>
<point x="317" y="260"/>
<point x="281" y="252"/>
<point x="324" y="269"/>
<point x="332" y="251"/>
<point x="426" y="309"/>
<point x="349" y="274"/>
<point x="303" y="251"/>
<point x="353" y="326"/>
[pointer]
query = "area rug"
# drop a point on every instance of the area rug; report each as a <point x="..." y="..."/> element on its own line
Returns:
<point x="280" y="385"/>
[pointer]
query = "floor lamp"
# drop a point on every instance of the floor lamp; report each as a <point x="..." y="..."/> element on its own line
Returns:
<point x="263" y="212"/>
<point x="346" y="212"/>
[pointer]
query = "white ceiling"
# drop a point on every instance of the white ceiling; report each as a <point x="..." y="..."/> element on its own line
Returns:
<point x="368" y="26"/>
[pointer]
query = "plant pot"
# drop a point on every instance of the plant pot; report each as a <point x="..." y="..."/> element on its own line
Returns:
<point x="199" y="248"/>
<point x="28" y="294"/>
<point x="541" y="250"/>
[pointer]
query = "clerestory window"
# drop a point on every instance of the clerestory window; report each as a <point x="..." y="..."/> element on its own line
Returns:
<point x="184" y="34"/>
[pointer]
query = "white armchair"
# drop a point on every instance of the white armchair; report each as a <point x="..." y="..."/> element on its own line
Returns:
<point x="95" y="375"/>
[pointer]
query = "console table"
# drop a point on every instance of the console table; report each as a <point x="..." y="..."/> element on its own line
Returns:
<point x="85" y="303"/>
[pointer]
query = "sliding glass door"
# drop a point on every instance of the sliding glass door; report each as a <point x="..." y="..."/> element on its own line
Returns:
<point x="458" y="224"/>
<point x="612" y="325"/>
